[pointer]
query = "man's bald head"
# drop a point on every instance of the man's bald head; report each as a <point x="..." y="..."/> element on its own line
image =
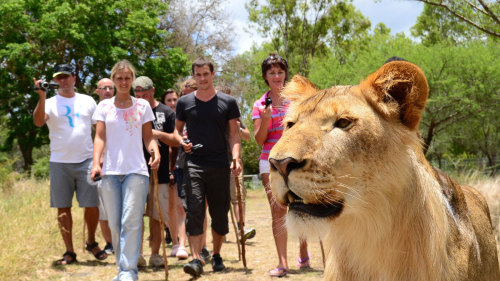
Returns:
<point x="105" y="89"/>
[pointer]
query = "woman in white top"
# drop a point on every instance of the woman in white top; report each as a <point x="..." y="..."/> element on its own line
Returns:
<point x="123" y="123"/>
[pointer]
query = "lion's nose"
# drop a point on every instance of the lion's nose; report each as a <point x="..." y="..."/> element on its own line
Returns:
<point x="284" y="166"/>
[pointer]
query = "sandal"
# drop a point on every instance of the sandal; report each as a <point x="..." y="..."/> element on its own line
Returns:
<point x="304" y="263"/>
<point x="278" y="272"/>
<point x="65" y="260"/>
<point x="100" y="255"/>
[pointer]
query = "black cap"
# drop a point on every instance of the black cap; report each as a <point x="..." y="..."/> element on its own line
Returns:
<point x="63" y="69"/>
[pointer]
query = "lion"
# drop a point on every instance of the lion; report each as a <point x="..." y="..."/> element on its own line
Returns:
<point x="350" y="167"/>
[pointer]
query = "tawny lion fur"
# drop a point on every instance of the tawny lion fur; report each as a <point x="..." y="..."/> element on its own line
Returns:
<point x="401" y="219"/>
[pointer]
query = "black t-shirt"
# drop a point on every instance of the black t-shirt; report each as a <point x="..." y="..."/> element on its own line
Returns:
<point x="165" y="122"/>
<point x="206" y="124"/>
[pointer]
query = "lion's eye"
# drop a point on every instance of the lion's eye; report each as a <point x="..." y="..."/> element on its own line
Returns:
<point x="342" y="123"/>
<point x="289" y="124"/>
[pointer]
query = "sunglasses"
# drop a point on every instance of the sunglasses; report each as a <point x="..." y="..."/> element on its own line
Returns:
<point x="107" y="88"/>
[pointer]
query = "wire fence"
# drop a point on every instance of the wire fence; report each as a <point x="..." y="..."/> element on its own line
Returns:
<point x="465" y="165"/>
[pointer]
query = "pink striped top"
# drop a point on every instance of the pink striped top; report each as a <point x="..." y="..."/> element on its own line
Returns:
<point x="275" y="126"/>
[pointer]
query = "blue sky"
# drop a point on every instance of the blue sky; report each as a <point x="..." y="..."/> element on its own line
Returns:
<point x="398" y="15"/>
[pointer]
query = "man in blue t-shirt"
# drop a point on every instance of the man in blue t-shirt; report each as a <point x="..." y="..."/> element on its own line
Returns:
<point x="207" y="114"/>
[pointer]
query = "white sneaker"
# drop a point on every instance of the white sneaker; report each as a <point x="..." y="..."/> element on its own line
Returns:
<point x="141" y="262"/>
<point x="175" y="248"/>
<point x="181" y="254"/>
<point x="156" y="261"/>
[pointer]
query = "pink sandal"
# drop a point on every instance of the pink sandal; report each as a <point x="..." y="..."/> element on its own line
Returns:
<point x="304" y="263"/>
<point x="278" y="272"/>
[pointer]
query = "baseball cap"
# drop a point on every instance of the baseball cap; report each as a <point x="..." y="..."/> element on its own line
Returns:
<point x="63" y="69"/>
<point x="144" y="82"/>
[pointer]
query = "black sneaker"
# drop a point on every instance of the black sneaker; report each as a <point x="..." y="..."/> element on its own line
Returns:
<point x="205" y="255"/>
<point x="168" y="237"/>
<point x="217" y="264"/>
<point x="109" y="249"/>
<point x="194" y="268"/>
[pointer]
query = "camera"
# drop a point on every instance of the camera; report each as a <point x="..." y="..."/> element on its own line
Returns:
<point x="44" y="86"/>
<point x="268" y="101"/>
<point x="97" y="177"/>
<point x="194" y="147"/>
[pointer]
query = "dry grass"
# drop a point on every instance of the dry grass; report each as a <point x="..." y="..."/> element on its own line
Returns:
<point x="30" y="242"/>
<point x="490" y="188"/>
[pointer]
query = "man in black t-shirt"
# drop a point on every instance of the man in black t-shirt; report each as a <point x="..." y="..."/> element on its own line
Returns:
<point x="163" y="128"/>
<point x="207" y="114"/>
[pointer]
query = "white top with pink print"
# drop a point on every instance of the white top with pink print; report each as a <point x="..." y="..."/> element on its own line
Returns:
<point x="123" y="152"/>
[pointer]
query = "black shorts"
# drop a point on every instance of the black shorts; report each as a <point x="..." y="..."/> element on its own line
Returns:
<point x="178" y="176"/>
<point x="210" y="183"/>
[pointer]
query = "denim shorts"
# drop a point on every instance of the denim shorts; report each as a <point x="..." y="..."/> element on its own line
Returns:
<point x="264" y="167"/>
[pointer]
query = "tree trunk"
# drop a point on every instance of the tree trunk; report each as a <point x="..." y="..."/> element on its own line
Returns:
<point x="429" y="137"/>
<point x="27" y="152"/>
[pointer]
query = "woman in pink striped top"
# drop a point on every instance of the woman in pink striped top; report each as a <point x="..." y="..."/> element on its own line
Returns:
<point x="267" y="118"/>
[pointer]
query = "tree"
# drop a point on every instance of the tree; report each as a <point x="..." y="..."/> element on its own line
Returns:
<point x="200" y="28"/>
<point x="303" y="30"/>
<point x="436" y="25"/>
<point x="92" y="35"/>
<point x="461" y="115"/>
<point x="481" y="14"/>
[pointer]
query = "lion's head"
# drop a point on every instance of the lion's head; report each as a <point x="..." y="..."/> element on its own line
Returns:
<point x="340" y="144"/>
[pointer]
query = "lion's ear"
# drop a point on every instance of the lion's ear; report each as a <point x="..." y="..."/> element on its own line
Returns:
<point x="400" y="87"/>
<point x="299" y="89"/>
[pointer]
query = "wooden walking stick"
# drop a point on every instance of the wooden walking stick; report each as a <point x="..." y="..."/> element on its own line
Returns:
<point x="235" y="232"/>
<point x="154" y="181"/>
<point x="240" y="207"/>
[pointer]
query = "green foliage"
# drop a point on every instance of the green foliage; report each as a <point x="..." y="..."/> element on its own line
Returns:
<point x="435" y="25"/>
<point x="92" y="35"/>
<point x="166" y="70"/>
<point x="461" y="115"/>
<point x="465" y="18"/>
<point x="8" y="176"/>
<point x="304" y="30"/>
<point x="40" y="169"/>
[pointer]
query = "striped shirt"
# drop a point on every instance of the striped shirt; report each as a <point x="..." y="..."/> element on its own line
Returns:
<point x="275" y="126"/>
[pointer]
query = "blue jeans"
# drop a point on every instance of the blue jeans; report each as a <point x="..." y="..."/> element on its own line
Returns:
<point x="124" y="197"/>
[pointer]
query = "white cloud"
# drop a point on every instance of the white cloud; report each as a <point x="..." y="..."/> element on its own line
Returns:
<point x="399" y="16"/>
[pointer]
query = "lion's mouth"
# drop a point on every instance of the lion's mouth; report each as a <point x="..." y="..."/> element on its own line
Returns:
<point x="324" y="210"/>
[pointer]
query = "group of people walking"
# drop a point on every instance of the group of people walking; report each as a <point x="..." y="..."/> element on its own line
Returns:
<point x="192" y="141"/>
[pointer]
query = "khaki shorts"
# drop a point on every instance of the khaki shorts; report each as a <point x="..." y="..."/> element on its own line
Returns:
<point x="163" y="195"/>
<point x="234" y="192"/>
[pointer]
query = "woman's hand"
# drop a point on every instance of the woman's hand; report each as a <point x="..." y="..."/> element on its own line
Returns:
<point x="96" y="170"/>
<point x="267" y="112"/>
<point x="154" y="164"/>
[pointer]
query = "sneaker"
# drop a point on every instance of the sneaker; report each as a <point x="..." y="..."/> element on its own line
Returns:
<point x="175" y="248"/>
<point x="109" y="249"/>
<point x="168" y="238"/>
<point x="156" y="261"/>
<point x="205" y="255"/>
<point x="249" y="232"/>
<point x="217" y="264"/>
<point x="182" y="254"/>
<point x="194" y="268"/>
<point x="141" y="262"/>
